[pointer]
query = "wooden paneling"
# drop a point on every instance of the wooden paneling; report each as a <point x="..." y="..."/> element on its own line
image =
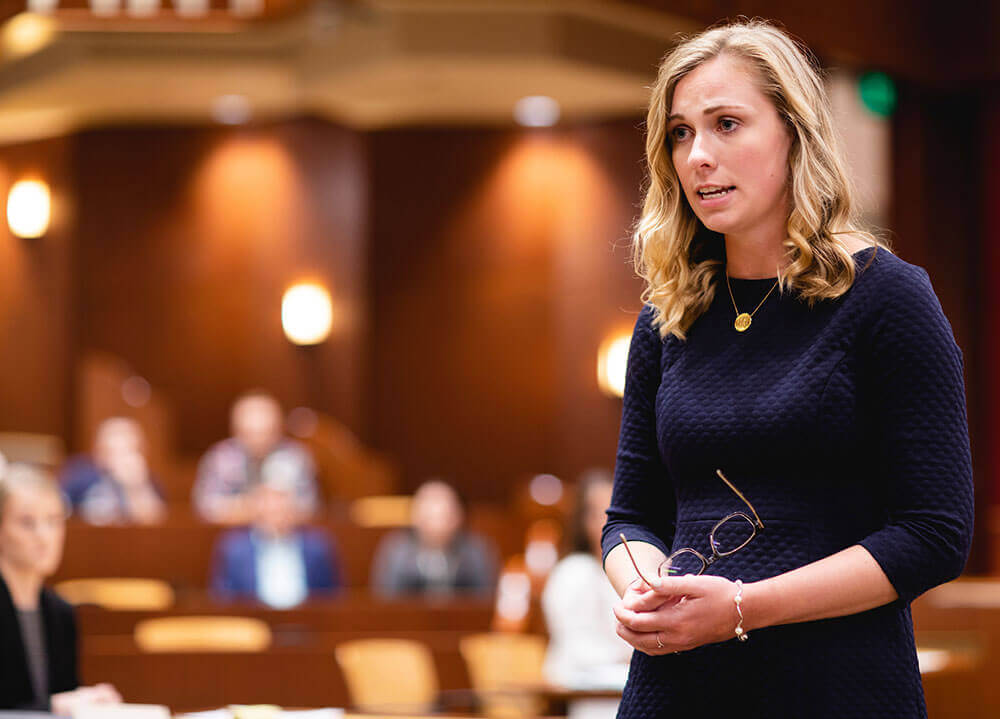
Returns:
<point x="938" y="222"/>
<point x="180" y="550"/>
<point x="351" y="610"/>
<point x="35" y="297"/>
<point x="493" y="276"/>
<point x="991" y="337"/>
<point x="971" y="610"/>
<point x="920" y="40"/>
<point x="187" y="238"/>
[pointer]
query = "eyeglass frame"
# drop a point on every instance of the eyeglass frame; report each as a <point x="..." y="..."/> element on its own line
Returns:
<point x="706" y="562"/>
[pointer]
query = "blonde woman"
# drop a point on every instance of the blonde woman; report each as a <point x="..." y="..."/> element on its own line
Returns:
<point x="38" y="643"/>
<point x="793" y="466"/>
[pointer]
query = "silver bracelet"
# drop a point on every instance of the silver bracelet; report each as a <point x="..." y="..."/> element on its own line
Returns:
<point x="738" y="599"/>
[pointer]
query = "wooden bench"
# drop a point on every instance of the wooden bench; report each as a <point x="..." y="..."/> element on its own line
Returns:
<point x="298" y="670"/>
<point x="180" y="549"/>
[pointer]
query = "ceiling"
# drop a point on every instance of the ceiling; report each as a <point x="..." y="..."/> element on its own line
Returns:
<point x="368" y="65"/>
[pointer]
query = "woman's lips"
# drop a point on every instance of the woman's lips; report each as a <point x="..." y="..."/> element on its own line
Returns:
<point x="715" y="198"/>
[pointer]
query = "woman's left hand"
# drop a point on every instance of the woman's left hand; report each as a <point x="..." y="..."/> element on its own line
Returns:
<point x="680" y="614"/>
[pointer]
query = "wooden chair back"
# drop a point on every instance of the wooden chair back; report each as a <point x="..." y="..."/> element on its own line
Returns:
<point x="202" y="634"/>
<point x="389" y="675"/>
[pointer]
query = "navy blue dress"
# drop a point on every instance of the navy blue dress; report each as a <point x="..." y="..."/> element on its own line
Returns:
<point x="843" y="424"/>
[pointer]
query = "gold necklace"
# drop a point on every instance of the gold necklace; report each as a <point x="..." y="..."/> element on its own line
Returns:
<point x="742" y="323"/>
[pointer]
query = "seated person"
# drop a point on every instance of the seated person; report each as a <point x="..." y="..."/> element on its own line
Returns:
<point x="436" y="555"/>
<point x="274" y="561"/>
<point x="585" y="651"/>
<point x="38" y="645"/>
<point x="114" y="484"/>
<point x="231" y="468"/>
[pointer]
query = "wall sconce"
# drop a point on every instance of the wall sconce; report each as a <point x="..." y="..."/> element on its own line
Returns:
<point x="28" y="32"/>
<point x="29" y="208"/>
<point x="306" y="313"/>
<point x="612" y="361"/>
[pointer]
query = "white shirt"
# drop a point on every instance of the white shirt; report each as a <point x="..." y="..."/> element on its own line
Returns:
<point x="281" y="571"/>
<point x="584" y="650"/>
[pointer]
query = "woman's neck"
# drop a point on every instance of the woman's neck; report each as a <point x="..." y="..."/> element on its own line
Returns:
<point x="757" y="255"/>
<point x="24" y="587"/>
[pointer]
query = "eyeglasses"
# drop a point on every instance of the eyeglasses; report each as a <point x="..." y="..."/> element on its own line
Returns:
<point x="729" y="535"/>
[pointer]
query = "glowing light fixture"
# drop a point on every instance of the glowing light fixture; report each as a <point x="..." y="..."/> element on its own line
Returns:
<point x="612" y="360"/>
<point x="306" y="313"/>
<point x="536" y="111"/>
<point x="29" y="208"/>
<point x="27" y="33"/>
<point x="231" y="109"/>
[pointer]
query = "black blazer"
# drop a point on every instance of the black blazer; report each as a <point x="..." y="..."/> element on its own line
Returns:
<point x="60" y="646"/>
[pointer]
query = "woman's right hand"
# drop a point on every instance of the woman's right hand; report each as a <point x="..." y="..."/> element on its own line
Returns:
<point x="640" y="598"/>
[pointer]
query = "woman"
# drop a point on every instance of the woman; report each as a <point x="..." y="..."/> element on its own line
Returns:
<point x="37" y="629"/>
<point x="792" y="376"/>
<point x="584" y="651"/>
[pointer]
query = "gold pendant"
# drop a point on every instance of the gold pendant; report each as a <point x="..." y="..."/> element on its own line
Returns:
<point x="742" y="322"/>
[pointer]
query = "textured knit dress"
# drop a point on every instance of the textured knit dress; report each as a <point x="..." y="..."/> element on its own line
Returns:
<point x="843" y="424"/>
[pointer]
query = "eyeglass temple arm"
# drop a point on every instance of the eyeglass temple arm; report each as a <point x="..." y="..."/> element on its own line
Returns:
<point x="631" y="556"/>
<point x="740" y="495"/>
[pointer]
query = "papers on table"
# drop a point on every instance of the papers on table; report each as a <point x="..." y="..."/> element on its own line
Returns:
<point x="121" y="711"/>
<point x="229" y="713"/>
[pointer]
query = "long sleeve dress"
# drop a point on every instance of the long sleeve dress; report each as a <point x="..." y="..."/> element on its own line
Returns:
<point x="843" y="424"/>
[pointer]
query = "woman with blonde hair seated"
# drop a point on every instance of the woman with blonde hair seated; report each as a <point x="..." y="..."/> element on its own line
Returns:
<point x="38" y="643"/>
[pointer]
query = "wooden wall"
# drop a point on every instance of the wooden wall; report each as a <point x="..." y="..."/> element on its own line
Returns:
<point x="938" y="222"/>
<point x="989" y="193"/>
<point x="35" y="300"/>
<point x="920" y="41"/>
<point x="187" y="238"/>
<point x="498" y="264"/>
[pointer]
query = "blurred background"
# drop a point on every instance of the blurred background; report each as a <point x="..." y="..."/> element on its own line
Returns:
<point x="407" y="222"/>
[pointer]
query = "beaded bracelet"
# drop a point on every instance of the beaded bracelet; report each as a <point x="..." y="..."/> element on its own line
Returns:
<point x="738" y="599"/>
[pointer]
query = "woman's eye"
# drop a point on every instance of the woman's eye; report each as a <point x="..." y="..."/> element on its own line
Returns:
<point x="728" y="124"/>
<point x="678" y="134"/>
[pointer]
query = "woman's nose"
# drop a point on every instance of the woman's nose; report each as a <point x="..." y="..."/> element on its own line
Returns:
<point x="701" y="153"/>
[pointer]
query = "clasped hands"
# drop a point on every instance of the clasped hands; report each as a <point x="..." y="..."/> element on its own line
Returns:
<point x="676" y="613"/>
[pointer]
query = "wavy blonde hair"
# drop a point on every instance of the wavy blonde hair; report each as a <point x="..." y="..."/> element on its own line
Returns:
<point x="677" y="256"/>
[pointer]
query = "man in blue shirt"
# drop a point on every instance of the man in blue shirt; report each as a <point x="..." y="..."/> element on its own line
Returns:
<point x="275" y="560"/>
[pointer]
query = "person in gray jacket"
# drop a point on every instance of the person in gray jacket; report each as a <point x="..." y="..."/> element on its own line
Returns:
<point x="435" y="556"/>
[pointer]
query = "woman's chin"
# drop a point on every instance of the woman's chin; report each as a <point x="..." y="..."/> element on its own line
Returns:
<point x="716" y="224"/>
